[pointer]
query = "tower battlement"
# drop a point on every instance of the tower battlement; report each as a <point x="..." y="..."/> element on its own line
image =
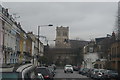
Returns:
<point x="62" y="37"/>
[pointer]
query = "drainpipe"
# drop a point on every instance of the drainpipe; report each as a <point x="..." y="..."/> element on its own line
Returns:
<point x="4" y="49"/>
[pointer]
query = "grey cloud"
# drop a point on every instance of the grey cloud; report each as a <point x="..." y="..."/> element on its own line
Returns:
<point x="82" y="18"/>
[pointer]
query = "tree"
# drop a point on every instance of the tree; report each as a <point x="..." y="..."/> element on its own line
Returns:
<point x="79" y="56"/>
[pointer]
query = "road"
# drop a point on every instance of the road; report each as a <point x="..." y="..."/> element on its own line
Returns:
<point x="60" y="75"/>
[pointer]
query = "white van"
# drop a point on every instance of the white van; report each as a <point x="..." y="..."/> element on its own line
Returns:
<point x="23" y="72"/>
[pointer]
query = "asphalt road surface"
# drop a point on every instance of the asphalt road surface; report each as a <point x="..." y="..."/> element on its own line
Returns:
<point x="60" y="75"/>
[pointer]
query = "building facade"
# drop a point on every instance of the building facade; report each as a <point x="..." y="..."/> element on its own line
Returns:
<point x="65" y="51"/>
<point x="22" y="44"/>
<point x="33" y="45"/>
<point x="9" y="26"/>
<point x="16" y="45"/>
<point x="90" y="55"/>
<point x="1" y="36"/>
<point x="115" y="56"/>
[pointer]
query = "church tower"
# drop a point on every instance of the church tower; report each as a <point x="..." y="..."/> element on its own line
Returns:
<point x="62" y="37"/>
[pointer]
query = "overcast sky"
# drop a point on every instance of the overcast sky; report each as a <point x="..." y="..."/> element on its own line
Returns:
<point x="85" y="19"/>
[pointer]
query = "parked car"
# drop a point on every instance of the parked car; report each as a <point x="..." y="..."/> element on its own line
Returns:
<point x="99" y="74"/>
<point x="75" y="68"/>
<point x="68" y="68"/>
<point x="45" y="72"/>
<point x="89" y="72"/>
<point x="80" y="70"/>
<point x="111" y="74"/>
<point x="94" y="71"/>
<point x="85" y="71"/>
<point x="40" y="77"/>
<point x="51" y="69"/>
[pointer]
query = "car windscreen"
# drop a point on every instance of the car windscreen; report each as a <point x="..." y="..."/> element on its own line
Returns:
<point x="96" y="70"/>
<point x="43" y="71"/>
<point x="68" y="66"/>
<point x="9" y="75"/>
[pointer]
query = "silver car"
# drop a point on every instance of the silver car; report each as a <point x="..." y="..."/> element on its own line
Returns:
<point x="68" y="68"/>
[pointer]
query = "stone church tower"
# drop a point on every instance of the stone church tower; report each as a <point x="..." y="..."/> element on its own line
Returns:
<point x="62" y="37"/>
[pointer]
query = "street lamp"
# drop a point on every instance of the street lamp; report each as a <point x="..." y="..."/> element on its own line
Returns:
<point x="39" y="33"/>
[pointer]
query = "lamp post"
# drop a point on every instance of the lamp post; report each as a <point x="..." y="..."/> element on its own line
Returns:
<point x="39" y="34"/>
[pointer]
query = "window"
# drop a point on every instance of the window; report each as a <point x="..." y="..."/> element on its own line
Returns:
<point x="64" y="33"/>
<point x="3" y="23"/>
<point x="58" y="33"/>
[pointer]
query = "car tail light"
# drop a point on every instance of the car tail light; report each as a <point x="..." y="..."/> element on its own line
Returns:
<point x="46" y="77"/>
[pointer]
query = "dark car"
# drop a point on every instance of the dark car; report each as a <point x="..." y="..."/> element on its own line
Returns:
<point x="93" y="73"/>
<point x="75" y="68"/>
<point x="85" y="71"/>
<point x="39" y="77"/>
<point x="45" y="72"/>
<point x="89" y="72"/>
<point x="99" y="74"/>
<point x="81" y="70"/>
<point x="111" y="74"/>
<point x="51" y="69"/>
